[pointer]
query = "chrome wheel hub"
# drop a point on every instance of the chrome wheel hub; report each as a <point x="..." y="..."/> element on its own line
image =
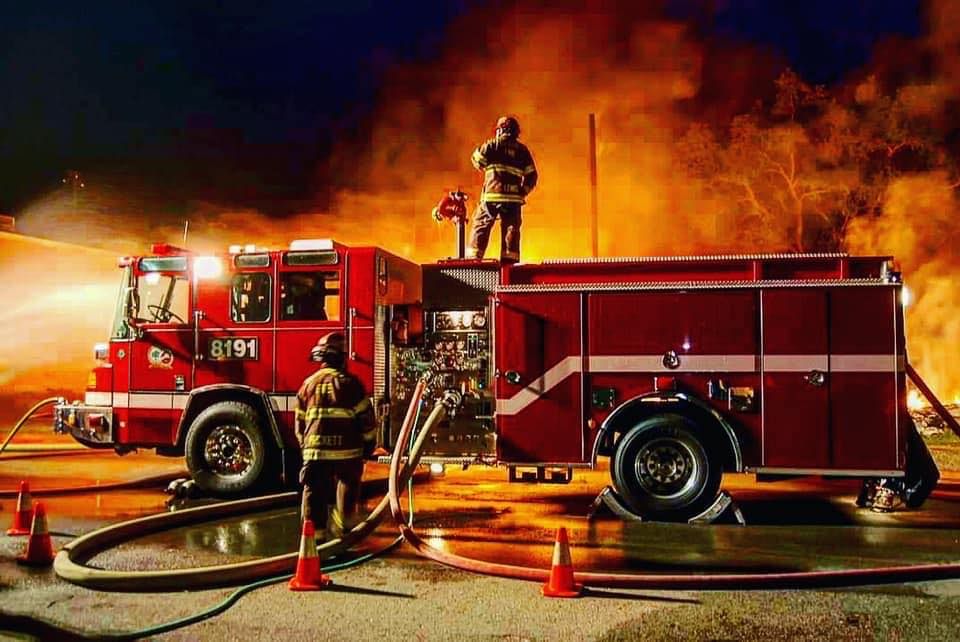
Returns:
<point x="666" y="467"/>
<point x="228" y="451"/>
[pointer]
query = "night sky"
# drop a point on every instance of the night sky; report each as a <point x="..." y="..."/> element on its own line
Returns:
<point x="241" y="101"/>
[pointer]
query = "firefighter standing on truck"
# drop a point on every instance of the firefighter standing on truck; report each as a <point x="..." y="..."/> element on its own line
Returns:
<point x="336" y="431"/>
<point x="509" y="174"/>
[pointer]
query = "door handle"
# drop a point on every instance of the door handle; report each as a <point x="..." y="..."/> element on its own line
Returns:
<point x="816" y="378"/>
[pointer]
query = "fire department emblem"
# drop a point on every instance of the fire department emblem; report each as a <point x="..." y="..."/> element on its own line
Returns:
<point x="159" y="357"/>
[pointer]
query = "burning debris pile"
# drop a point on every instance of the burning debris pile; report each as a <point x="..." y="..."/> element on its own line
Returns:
<point x="929" y="422"/>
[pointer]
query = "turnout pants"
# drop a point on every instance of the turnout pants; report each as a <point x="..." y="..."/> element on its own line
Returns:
<point x="510" y="221"/>
<point x="330" y="482"/>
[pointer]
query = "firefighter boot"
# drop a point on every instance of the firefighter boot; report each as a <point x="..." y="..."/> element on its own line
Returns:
<point x="335" y="525"/>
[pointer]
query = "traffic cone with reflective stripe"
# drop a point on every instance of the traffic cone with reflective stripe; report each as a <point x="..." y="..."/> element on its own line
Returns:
<point x="39" y="548"/>
<point x="308" y="576"/>
<point x="21" y="518"/>
<point x="561" y="582"/>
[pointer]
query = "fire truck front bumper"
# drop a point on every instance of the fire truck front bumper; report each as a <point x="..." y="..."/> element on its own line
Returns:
<point x="90" y="425"/>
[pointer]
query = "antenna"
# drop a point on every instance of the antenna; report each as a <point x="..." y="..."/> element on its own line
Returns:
<point x="186" y="230"/>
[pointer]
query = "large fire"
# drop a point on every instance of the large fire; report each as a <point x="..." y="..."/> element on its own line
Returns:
<point x="678" y="173"/>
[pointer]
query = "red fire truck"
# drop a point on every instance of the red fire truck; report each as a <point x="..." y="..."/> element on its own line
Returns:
<point x="676" y="368"/>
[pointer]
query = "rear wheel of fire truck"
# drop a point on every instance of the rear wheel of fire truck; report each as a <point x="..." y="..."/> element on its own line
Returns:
<point x="225" y="449"/>
<point x="662" y="469"/>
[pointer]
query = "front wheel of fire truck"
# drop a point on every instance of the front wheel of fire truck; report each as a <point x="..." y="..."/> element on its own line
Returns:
<point x="662" y="469"/>
<point x="225" y="450"/>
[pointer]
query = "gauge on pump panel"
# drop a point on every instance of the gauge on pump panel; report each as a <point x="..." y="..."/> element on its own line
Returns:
<point x="479" y="320"/>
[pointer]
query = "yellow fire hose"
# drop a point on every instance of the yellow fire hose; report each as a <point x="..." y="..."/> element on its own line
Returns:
<point x="23" y="420"/>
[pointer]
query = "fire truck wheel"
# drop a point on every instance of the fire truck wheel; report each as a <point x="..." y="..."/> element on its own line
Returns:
<point x="662" y="469"/>
<point x="225" y="450"/>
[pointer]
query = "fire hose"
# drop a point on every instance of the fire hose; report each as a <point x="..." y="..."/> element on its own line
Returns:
<point x="70" y="561"/>
<point x="26" y="417"/>
<point x="139" y="482"/>
<point x="68" y="566"/>
<point x="713" y="582"/>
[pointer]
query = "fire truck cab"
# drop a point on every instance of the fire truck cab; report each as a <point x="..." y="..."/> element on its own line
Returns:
<point x="676" y="368"/>
<point x="207" y="353"/>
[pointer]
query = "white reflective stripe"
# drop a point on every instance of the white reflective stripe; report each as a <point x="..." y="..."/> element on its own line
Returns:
<point x="284" y="403"/>
<point x="833" y="363"/>
<point x="865" y="363"/>
<point x="143" y="400"/>
<point x="794" y="362"/>
<point x="688" y="363"/>
<point x="149" y="401"/>
<point x="97" y="398"/>
<point x="696" y="363"/>
<point x="550" y="379"/>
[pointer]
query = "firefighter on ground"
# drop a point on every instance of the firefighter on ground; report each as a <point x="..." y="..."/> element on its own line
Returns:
<point x="336" y="431"/>
<point x="509" y="174"/>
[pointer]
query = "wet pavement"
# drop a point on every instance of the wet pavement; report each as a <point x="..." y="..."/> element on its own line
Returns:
<point x="802" y="524"/>
<point x="797" y="525"/>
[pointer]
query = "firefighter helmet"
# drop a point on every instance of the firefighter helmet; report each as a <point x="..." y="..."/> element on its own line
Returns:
<point x="329" y="349"/>
<point x="508" y="126"/>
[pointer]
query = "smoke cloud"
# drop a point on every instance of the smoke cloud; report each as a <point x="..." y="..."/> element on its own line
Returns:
<point x="647" y="79"/>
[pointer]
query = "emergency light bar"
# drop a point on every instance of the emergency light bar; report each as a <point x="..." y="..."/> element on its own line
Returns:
<point x="165" y="249"/>
<point x="311" y="244"/>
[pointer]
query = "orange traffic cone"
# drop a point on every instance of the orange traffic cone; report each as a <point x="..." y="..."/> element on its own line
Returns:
<point x="561" y="582"/>
<point x="308" y="576"/>
<point x="21" y="518"/>
<point x="39" y="549"/>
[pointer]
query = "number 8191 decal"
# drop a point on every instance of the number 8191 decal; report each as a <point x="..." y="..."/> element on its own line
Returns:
<point x="229" y="348"/>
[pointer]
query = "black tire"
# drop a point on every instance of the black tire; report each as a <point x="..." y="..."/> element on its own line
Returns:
<point x="225" y="449"/>
<point x="663" y="470"/>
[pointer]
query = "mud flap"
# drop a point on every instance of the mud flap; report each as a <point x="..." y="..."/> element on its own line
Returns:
<point x="922" y="472"/>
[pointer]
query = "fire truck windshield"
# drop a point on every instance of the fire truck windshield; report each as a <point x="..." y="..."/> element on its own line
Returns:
<point x="160" y="298"/>
<point x="151" y="297"/>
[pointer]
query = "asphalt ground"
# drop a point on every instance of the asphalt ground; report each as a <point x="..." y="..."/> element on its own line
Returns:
<point x="797" y="525"/>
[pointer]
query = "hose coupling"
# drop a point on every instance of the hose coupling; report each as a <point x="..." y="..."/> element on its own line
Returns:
<point x="452" y="400"/>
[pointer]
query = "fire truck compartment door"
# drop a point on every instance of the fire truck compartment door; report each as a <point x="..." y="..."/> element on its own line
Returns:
<point x="539" y="396"/>
<point x="866" y="379"/>
<point x="796" y="390"/>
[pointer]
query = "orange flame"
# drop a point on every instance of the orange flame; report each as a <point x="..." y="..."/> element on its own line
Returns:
<point x="915" y="400"/>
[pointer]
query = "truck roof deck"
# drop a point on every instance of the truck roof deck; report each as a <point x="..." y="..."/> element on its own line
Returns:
<point x="720" y="268"/>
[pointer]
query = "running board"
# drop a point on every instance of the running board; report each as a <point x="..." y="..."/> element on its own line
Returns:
<point x="721" y="506"/>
